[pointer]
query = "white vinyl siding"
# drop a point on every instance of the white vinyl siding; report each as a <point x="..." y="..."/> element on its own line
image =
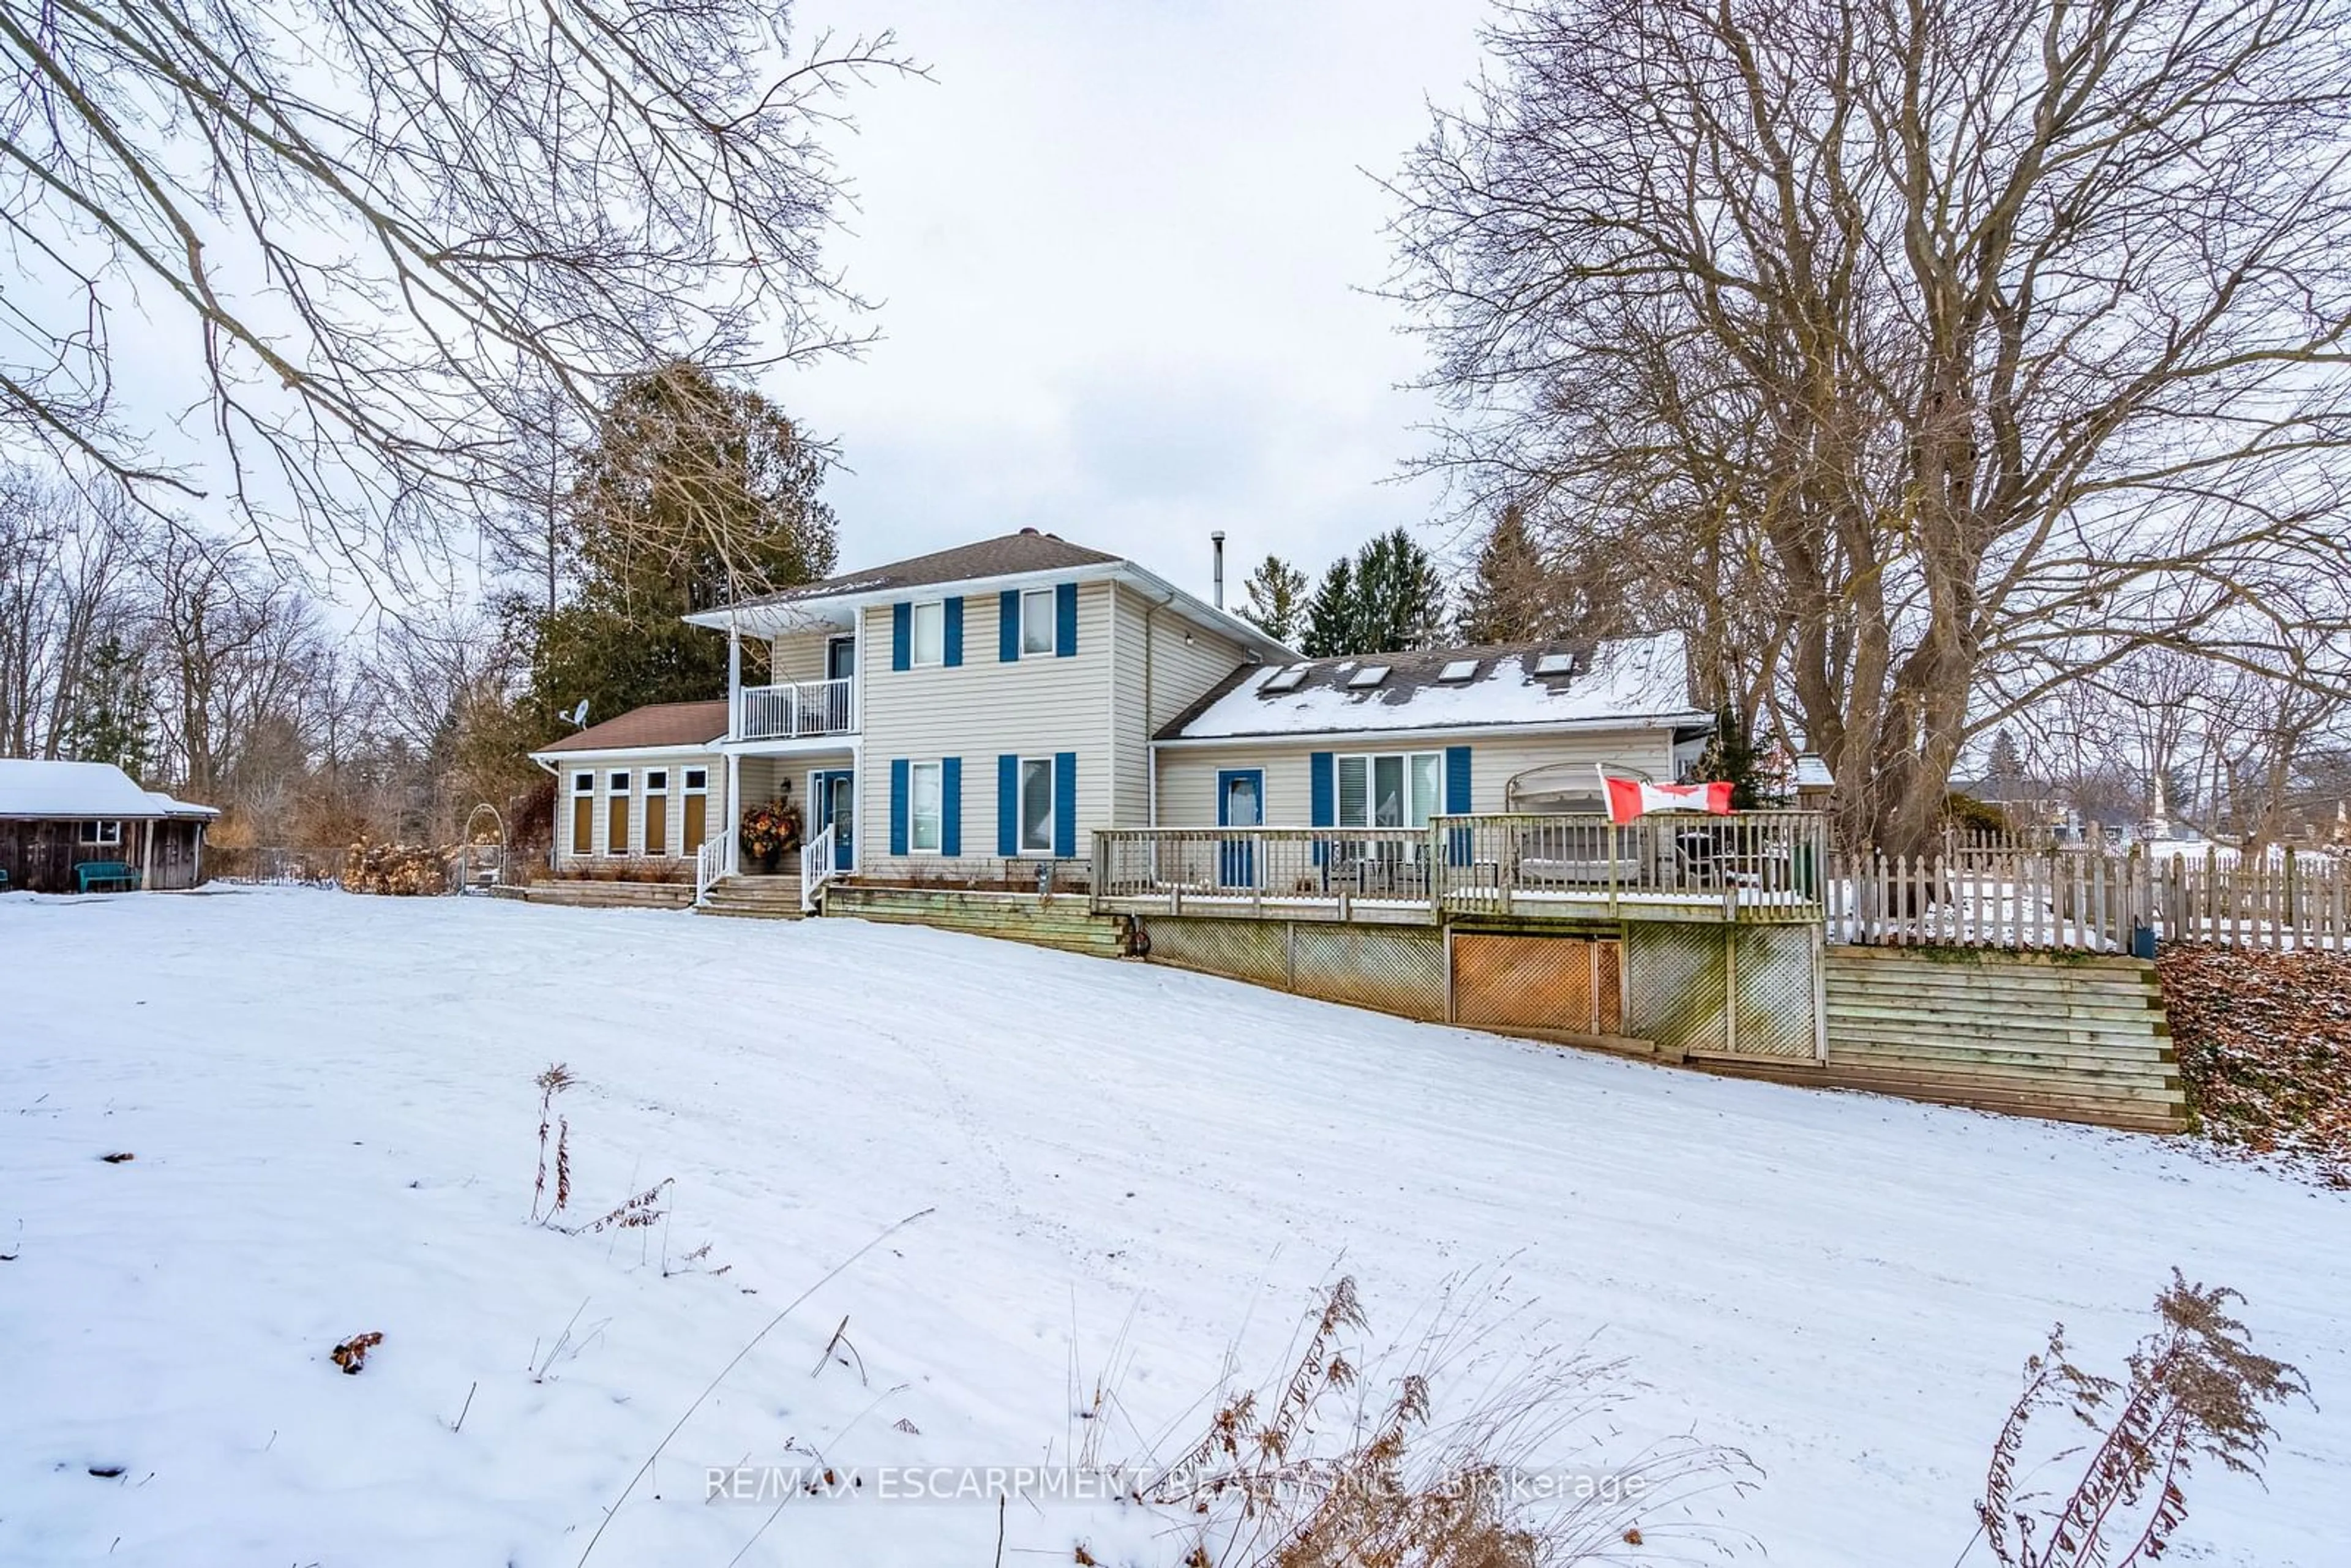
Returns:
<point x="1187" y="774"/>
<point x="1158" y="677"/>
<point x="796" y="657"/>
<point x="983" y="710"/>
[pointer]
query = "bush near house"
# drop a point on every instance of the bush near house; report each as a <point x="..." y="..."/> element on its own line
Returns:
<point x="2265" y="1043"/>
<point x="628" y="869"/>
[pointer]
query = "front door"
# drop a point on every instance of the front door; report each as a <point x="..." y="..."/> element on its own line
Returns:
<point x="835" y="794"/>
<point x="1240" y="803"/>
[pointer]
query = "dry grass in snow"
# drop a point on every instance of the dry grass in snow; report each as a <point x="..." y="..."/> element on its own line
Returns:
<point x="332" y="1106"/>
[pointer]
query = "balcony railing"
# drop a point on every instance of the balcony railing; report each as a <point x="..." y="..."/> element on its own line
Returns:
<point x="794" y="709"/>
<point x="1752" y="865"/>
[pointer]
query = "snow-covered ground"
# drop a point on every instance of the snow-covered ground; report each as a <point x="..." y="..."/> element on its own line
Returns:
<point x="329" y="1103"/>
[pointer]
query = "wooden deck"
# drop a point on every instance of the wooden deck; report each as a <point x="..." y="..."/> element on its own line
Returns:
<point x="1757" y="867"/>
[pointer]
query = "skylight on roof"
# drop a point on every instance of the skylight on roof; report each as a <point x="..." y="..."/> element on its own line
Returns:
<point x="1285" y="680"/>
<point x="1458" y="670"/>
<point x="1367" y="678"/>
<point x="1555" y="665"/>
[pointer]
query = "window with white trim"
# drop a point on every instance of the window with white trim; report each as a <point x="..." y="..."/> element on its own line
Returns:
<point x="924" y="798"/>
<point x="930" y="639"/>
<point x="583" y="813"/>
<point x="1037" y="620"/>
<point x="102" y="832"/>
<point x="695" y="827"/>
<point x="1036" y="805"/>
<point x="657" y="810"/>
<point x="1399" y="789"/>
<point x="616" y="815"/>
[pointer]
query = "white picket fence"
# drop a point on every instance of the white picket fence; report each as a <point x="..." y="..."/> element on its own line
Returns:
<point x="2089" y="901"/>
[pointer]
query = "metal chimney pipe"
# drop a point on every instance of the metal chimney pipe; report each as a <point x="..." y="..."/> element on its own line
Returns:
<point x="1217" y="540"/>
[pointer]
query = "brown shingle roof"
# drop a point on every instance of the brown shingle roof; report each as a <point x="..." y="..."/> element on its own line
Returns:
<point x="658" y="724"/>
<point x="1004" y="556"/>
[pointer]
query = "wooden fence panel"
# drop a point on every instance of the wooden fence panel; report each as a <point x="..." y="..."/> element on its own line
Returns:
<point x="2083" y="901"/>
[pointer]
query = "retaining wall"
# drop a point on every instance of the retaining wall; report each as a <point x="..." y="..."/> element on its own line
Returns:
<point x="2073" y="1038"/>
<point x="1066" y="921"/>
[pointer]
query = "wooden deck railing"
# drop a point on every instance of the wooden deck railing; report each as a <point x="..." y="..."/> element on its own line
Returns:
<point x="1255" y="867"/>
<point x="1746" y="861"/>
<point x="1733" y="867"/>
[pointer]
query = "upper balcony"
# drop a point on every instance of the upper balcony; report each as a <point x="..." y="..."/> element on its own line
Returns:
<point x="796" y="710"/>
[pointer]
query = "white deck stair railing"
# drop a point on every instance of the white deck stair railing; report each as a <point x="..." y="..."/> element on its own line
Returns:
<point x="709" y="866"/>
<point x="816" y="868"/>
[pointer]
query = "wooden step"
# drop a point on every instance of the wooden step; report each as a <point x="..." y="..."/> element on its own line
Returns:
<point x="755" y="898"/>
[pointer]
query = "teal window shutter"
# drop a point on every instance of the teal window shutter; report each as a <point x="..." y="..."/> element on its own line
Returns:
<point x="898" y="792"/>
<point x="1065" y="803"/>
<point x="953" y="617"/>
<point x="1323" y="799"/>
<point x="1065" y="620"/>
<point x="1008" y="627"/>
<point x="1008" y="806"/>
<point x="951" y="802"/>
<point x="902" y="636"/>
<point x="1457" y="802"/>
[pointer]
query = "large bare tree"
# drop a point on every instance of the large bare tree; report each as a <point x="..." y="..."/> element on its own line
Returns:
<point x="63" y="557"/>
<point x="1922" y="355"/>
<point x="363" y="242"/>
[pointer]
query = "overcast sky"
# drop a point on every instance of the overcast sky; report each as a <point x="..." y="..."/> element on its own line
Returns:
<point x="1119" y="247"/>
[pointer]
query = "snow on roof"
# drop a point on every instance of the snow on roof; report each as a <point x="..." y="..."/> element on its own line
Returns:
<point x="1631" y="680"/>
<point x="34" y="787"/>
<point x="1812" y="773"/>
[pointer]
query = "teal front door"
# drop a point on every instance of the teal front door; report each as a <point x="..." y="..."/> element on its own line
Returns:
<point x="1240" y="803"/>
<point x="835" y="796"/>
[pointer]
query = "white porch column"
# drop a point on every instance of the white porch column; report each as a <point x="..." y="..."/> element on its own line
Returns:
<point x="857" y="784"/>
<point x="733" y="682"/>
<point x="734" y="813"/>
<point x="857" y="672"/>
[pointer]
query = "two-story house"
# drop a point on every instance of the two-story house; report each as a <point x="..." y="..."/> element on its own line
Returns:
<point x="960" y="718"/>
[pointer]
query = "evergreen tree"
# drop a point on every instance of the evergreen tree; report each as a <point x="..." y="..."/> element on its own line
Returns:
<point x="1331" y="623"/>
<point x="2005" y="765"/>
<point x="1733" y="755"/>
<point x="1276" y="598"/>
<point x="1399" y="595"/>
<point x="1507" y="597"/>
<point x="693" y="494"/>
<point x="112" y="718"/>
<point x="1385" y="598"/>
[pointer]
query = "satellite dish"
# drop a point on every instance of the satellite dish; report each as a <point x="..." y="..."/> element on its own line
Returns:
<point x="579" y="714"/>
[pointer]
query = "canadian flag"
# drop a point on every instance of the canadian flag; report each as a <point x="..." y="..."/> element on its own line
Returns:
<point x="1629" y="799"/>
